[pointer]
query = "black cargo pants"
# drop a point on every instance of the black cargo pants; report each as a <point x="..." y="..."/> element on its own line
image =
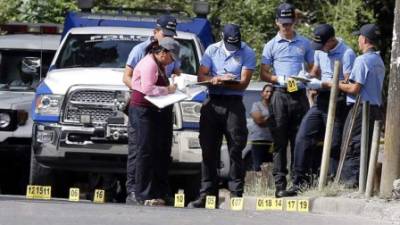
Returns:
<point x="222" y="115"/>
<point x="287" y="110"/>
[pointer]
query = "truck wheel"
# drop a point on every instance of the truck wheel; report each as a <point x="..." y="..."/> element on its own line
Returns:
<point x="39" y="175"/>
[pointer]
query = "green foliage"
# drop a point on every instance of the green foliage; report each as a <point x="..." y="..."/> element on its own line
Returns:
<point x="9" y="10"/>
<point x="45" y="11"/>
<point x="345" y="16"/>
<point x="256" y="18"/>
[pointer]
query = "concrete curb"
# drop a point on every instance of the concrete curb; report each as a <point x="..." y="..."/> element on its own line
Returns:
<point x="370" y="208"/>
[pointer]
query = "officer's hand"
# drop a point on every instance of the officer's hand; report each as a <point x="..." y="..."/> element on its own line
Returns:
<point x="314" y="84"/>
<point x="281" y="81"/>
<point x="217" y="80"/>
<point x="228" y="76"/>
<point x="171" y="88"/>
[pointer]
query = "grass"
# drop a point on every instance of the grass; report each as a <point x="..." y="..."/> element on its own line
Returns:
<point x="262" y="184"/>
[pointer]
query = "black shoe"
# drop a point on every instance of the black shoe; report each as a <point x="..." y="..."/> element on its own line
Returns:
<point x="284" y="193"/>
<point x="198" y="203"/>
<point x="131" y="199"/>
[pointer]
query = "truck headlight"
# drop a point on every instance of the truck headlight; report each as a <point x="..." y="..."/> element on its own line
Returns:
<point x="190" y="111"/>
<point x="5" y="120"/>
<point x="48" y="104"/>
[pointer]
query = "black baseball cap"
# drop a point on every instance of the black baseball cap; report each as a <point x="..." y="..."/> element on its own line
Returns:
<point x="171" y="45"/>
<point x="232" y="37"/>
<point x="322" y="33"/>
<point x="370" y="31"/>
<point x="285" y="13"/>
<point x="168" y="25"/>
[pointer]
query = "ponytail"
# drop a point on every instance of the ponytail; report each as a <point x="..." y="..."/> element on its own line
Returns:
<point x="153" y="47"/>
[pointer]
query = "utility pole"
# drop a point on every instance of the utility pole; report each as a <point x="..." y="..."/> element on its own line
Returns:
<point x="391" y="162"/>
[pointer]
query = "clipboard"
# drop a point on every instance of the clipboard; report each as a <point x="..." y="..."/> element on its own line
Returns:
<point x="301" y="79"/>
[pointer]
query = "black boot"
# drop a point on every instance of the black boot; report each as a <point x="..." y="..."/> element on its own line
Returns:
<point x="198" y="203"/>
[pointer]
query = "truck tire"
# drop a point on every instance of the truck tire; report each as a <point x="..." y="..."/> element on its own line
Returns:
<point x="39" y="175"/>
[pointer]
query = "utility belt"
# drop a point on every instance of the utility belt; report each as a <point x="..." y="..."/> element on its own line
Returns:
<point x="226" y="97"/>
<point x="285" y="90"/>
<point x="323" y="99"/>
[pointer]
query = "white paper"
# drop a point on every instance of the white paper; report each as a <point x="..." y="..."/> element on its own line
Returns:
<point x="166" y="100"/>
<point x="186" y="84"/>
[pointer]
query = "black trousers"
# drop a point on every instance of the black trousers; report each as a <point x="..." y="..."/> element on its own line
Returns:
<point x="351" y="166"/>
<point x="153" y="149"/>
<point x="312" y="130"/>
<point x="130" y="165"/>
<point x="260" y="153"/>
<point x="287" y="110"/>
<point x="222" y="116"/>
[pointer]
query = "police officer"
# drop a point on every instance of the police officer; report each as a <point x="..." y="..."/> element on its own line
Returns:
<point x="328" y="50"/>
<point x="282" y="57"/>
<point x="223" y="113"/>
<point x="366" y="80"/>
<point x="165" y="27"/>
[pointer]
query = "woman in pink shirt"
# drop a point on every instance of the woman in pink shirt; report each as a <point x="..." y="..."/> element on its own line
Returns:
<point x="153" y="125"/>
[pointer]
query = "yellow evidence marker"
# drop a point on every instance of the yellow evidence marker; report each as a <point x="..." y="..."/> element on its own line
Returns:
<point x="38" y="192"/>
<point x="179" y="200"/>
<point x="211" y="201"/>
<point x="261" y="204"/>
<point x="292" y="85"/>
<point x="237" y="204"/>
<point x="303" y="206"/>
<point x="277" y="204"/>
<point x="291" y="205"/>
<point x="99" y="196"/>
<point x="74" y="194"/>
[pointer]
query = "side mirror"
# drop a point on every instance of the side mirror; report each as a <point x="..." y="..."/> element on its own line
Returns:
<point x="31" y="66"/>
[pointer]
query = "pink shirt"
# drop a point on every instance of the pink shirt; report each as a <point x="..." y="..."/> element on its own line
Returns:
<point x="145" y="76"/>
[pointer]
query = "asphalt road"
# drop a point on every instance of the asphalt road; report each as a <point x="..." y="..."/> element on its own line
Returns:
<point x="17" y="211"/>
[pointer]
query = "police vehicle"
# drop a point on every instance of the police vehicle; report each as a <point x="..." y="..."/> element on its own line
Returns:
<point x="26" y="51"/>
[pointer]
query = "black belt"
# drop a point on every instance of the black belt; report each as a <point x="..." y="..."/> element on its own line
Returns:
<point x="226" y="97"/>
<point x="284" y="90"/>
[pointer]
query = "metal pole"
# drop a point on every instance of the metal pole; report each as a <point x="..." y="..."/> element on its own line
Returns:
<point x="345" y="145"/>
<point x="329" y="128"/>
<point x="373" y="158"/>
<point x="364" y="147"/>
<point x="391" y="159"/>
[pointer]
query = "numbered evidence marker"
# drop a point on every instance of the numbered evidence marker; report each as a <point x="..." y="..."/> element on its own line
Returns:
<point x="74" y="194"/>
<point x="291" y="205"/>
<point x="179" y="200"/>
<point x="210" y="202"/>
<point x="237" y="204"/>
<point x="269" y="203"/>
<point x="261" y="204"/>
<point x="277" y="204"/>
<point x="99" y="196"/>
<point x="303" y="206"/>
<point x="38" y="192"/>
<point x="292" y="85"/>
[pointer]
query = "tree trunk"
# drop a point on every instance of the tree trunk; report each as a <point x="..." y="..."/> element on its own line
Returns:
<point x="391" y="162"/>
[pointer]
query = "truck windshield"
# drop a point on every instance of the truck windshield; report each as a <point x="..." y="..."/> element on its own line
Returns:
<point x="11" y="75"/>
<point x="112" y="51"/>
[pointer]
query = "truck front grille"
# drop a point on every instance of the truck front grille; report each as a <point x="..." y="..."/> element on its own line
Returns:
<point x="98" y="105"/>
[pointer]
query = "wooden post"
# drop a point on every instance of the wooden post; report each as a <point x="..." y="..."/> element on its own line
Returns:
<point x="391" y="161"/>
<point x="364" y="148"/>
<point x="329" y="128"/>
<point x="345" y="146"/>
<point x="373" y="158"/>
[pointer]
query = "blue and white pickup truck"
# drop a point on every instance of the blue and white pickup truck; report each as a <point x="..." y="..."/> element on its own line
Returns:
<point x="78" y="110"/>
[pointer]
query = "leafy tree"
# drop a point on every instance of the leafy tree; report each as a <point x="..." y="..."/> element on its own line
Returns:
<point x="9" y="10"/>
<point x="45" y="11"/>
